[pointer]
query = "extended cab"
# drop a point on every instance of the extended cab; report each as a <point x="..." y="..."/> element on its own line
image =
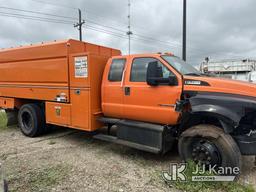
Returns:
<point x="152" y="100"/>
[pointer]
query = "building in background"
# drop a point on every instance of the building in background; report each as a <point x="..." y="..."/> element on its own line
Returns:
<point x="244" y="69"/>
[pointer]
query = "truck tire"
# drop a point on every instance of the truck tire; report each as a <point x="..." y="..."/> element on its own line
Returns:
<point x="31" y="120"/>
<point x="209" y="145"/>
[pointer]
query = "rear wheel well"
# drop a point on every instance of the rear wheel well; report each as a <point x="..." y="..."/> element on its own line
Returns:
<point x="20" y="102"/>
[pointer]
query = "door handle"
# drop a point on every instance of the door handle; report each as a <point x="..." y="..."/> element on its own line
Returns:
<point x="127" y="91"/>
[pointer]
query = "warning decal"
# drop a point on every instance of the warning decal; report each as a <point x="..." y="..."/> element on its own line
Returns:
<point x="81" y="67"/>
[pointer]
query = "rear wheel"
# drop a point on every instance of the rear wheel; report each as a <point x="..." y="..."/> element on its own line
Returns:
<point x="31" y="120"/>
<point x="209" y="145"/>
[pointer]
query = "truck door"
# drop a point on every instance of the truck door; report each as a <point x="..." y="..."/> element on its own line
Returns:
<point x="112" y="90"/>
<point x="154" y="104"/>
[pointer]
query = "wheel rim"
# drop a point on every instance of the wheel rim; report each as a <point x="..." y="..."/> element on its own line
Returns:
<point x="27" y="120"/>
<point x="206" y="153"/>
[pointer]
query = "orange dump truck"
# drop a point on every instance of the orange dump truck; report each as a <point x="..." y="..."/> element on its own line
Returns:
<point x="153" y="100"/>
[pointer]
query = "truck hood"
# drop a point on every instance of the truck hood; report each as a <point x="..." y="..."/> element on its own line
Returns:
<point x="220" y="85"/>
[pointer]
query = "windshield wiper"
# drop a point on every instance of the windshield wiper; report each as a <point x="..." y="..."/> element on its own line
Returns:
<point x="194" y="74"/>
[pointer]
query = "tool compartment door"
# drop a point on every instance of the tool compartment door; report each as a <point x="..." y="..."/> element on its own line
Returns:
<point x="80" y="91"/>
<point x="58" y="113"/>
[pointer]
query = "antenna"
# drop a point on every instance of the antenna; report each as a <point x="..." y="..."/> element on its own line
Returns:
<point x="129" y="32"/>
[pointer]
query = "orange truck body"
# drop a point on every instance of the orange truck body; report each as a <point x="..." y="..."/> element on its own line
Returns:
<point x="48" y="70"/>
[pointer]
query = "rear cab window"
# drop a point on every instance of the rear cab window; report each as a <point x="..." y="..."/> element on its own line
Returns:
<point x="116" y="70"/>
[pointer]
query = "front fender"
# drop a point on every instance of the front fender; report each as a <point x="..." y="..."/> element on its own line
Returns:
<point x="228" y="108"/>
<point x="217" y="111"/>
<point x="226" y="117"/>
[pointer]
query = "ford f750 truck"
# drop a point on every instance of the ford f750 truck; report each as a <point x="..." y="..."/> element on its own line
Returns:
<point x="152" y="100"/>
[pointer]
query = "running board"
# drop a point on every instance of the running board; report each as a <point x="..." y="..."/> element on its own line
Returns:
<point x="114" y="139"/>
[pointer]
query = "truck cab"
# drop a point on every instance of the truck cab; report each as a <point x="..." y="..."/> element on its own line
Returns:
<point x="157" y="99"/>
<point x="126" y="93"/>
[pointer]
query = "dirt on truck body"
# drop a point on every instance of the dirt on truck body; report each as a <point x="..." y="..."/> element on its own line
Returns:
<point x="153" y="100"/>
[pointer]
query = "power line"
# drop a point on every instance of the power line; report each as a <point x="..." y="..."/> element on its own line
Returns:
<point x="36" y="17"/>
<point x="64" y="21"/>
<point x="55" y="4"/>
<point x="36" y="12"/>
<point x="124" y="36"/>
<point x="102" y="29"/>
<point x="65" y="6"/>
<point x="106" y="31"/>
<point x="102" y="25"/>
<point x="88" y="11"/>
<point x="89" y="26"/>
<point x="69" y="7"/>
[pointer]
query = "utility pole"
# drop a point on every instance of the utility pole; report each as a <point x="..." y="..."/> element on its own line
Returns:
<point x="184" y="42"/>
<point x="80" y="24"/>
<point x="129" y="32"/>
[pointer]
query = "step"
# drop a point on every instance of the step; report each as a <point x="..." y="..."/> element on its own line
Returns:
<point x="114" y="139"/>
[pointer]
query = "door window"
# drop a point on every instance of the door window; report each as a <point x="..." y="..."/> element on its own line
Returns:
<point x="139" y="69"/>
<point x="116" y="70"/>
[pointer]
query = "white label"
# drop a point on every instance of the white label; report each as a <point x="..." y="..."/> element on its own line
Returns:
<point x="81" y="67"/>
<point x="191" y="82"/>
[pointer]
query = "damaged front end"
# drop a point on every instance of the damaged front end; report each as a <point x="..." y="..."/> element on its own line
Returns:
<point x="236" y="114"/>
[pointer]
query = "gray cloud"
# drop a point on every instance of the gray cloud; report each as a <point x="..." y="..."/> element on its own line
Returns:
<point x="218" y="29"/>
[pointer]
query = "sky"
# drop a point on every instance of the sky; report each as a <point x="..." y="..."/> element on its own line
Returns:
<point x="218" y="29"/>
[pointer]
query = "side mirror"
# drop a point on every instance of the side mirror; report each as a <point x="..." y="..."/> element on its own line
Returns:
<point x="155" y="76"/>
<point x="153" y="73"/>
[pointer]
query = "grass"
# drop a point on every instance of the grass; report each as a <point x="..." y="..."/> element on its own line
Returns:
<point x="43" y="179"/>
<point x="3" y="120"/>
<point x="208" y="186"/>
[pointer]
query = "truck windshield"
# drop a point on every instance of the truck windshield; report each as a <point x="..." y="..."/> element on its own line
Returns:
<point x="181" y="66"/>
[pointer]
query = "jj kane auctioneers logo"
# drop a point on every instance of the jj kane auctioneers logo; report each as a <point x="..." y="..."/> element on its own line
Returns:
<point x="177" y="172"/>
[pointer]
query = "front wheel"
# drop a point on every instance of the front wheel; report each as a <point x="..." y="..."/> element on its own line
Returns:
<point x="209" y="145"/>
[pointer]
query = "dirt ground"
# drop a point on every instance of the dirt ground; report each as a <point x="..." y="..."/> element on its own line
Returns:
<point x="70" y="160"/>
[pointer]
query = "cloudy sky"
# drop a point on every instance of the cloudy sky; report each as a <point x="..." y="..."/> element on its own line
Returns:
<point x="222" y="29"/>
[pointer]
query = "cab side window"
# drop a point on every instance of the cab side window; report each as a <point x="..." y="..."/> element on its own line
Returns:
<point x="116" y="70"/>
<point x="139" y="69"/>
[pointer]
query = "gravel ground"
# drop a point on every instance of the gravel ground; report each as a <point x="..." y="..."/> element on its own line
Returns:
<point x="70" y="160"/>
